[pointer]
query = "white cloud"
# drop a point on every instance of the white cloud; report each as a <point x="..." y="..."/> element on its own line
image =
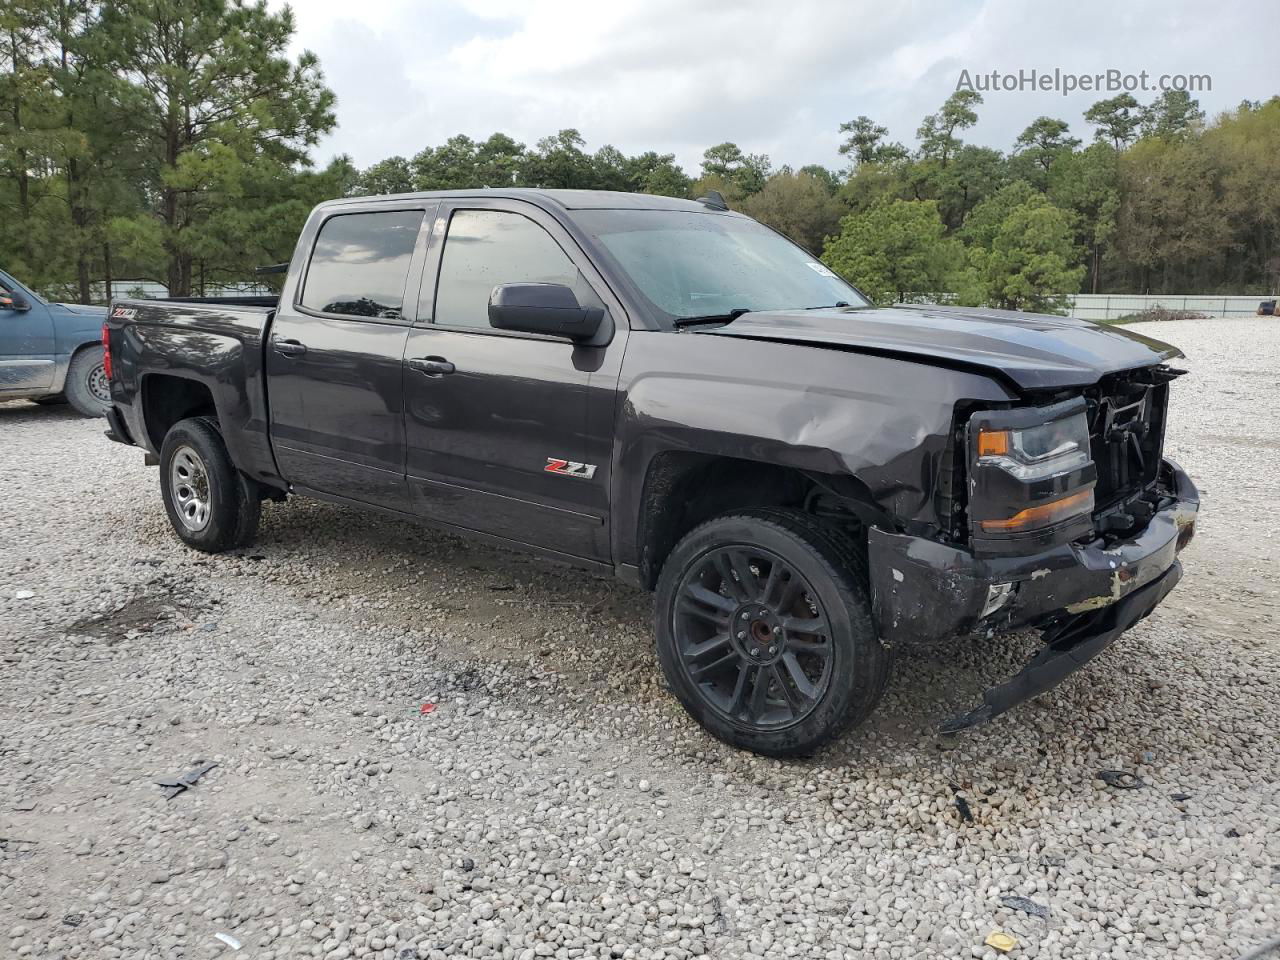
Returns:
<point x="777" y="78"/>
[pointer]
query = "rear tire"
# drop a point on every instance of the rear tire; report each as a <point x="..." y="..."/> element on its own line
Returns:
<point x="764" y="631"/>
<point x="211" y="505"/>
<point x="87" y="388"/>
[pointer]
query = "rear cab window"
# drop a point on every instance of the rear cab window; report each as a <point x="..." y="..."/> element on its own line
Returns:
<point x="360" y="263"/>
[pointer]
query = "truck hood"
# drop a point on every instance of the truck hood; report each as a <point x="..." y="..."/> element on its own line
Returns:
<point x="1033" y="351"/>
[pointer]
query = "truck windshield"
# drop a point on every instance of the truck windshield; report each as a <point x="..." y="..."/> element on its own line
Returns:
<point x="691" y="265"/>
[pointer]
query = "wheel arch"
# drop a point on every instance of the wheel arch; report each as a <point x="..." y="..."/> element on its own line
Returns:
<point x="683" y="488"/>
<point x="168" y="398"/>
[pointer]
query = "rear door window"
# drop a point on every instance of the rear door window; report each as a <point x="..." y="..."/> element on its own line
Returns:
<point x="360" y="263"/>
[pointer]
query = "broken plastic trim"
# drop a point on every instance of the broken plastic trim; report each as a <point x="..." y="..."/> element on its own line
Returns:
<point x="1068" y="647"/>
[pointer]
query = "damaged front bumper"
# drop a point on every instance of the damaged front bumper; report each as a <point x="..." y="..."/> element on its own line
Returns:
<point x="924" y="590"/>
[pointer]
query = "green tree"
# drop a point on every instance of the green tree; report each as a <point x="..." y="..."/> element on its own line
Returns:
<point x="450" y="166"/>
<point x="1172" y="224"/>
<point x="1088" y="184"/>
<point x="559" y="162"/>
<point x="1117" y="119"/>
<point x="984" y="221"/>
<point x="498" y="162"/>
<point x="972" y="176"/>
<point x="1242" y="148"/>
<point x="609" y="169"/>
<point x="658" y="174"/>
<point x="1173" y="116"/>
<point x="865" y="143"/>
<point x="743" y="173"/>
<point x="829" y="178"/>
<point x="24" y="95"/>
<point x="938" y="140"/>
<point x="799" y="205"/>
<point x="1031" y="261"/>
<point x="895" y="249"/>
<point x="222" y="97"/>
<point x="392" y="175"/>
<point x="1044" y="140"/>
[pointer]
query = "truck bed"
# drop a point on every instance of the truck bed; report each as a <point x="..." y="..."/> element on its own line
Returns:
<point x="181" y="356"/>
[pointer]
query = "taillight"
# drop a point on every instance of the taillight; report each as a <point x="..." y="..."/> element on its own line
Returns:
<point x="106" y="351"/>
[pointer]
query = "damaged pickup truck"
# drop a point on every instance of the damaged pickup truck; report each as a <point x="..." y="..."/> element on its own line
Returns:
<point x="670" y="392"/>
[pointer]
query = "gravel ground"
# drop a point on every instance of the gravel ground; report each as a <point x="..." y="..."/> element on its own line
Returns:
<point x="556" y="802"/>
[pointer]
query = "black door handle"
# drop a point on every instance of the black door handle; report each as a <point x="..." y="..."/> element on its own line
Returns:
<point x="288" y="348"/>
<point x="431" y="366"/>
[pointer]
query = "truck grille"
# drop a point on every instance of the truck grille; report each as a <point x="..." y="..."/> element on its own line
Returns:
<point x="1126" y="432"/>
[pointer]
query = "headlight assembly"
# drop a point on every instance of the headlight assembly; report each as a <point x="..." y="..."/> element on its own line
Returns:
<point x="1034" y="453"/>
<point x="1032" y="473"/>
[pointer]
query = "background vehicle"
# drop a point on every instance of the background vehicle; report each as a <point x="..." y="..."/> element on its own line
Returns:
<point x="51" y="352"/>
<point x="669" y="391"/>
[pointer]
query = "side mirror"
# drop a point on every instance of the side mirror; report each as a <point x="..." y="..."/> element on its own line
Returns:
<point x="14" y="301"/>
<point x="550" y="308"/>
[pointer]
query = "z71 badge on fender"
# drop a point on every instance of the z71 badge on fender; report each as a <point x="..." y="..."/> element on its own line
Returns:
<point x="569" y="468"/>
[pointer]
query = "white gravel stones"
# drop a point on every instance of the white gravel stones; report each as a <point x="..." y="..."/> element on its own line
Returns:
<point x="556" y="802"/>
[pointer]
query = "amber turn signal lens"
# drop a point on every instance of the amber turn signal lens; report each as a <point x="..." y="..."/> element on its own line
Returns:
<point x="993" y="443"/>
<point x="1044" y="515"/>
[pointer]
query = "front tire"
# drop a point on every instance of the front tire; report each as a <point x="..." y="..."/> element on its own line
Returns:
<point x="211" y="505"/>
<point x="87" y="388"/>
<point x="764" y="631"/>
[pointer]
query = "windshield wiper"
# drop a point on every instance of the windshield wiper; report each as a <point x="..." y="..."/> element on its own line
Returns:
<point x="830" y="306"/>
<point x="728" y="317"/>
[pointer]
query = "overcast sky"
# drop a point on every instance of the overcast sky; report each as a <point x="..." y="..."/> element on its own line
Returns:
<point x="776" y="77"/>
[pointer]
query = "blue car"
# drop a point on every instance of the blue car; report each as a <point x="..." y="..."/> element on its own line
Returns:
<point x="51" y="352"/>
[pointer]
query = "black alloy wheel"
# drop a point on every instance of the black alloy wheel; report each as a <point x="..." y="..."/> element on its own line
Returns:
<point x="764" y="631"/>
<point x="752" y="633"/>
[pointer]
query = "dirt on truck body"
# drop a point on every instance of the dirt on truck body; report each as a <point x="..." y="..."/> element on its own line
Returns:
<point x="669" y="392"/>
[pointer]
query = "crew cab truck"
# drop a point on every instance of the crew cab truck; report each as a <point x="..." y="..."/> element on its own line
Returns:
<point x="50" y="352"/>
<point x="668" y="391"/>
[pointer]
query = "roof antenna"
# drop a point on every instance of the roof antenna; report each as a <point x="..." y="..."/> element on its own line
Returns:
<point x="714" y="199"/>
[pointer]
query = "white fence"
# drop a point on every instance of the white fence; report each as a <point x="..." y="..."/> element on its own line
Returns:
<point x="1110" y="306"/>
<point x="151" y="289"/>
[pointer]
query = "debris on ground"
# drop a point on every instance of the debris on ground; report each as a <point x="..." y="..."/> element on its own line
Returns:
<point x="1120" y="779"/>
<point x="426" y="708"/>
<point x="963" y="806"/>
<point x="1179" y="797"/>
<point x="229" y="940"/>
<point x="184" y="782"/>
<point x="717" y="917"/>
<point x="1001" y="941"/>
<point x="1026" y="906"/>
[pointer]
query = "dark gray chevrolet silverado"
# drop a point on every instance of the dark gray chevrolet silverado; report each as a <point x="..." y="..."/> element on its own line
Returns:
<point x="671" y="392"/>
